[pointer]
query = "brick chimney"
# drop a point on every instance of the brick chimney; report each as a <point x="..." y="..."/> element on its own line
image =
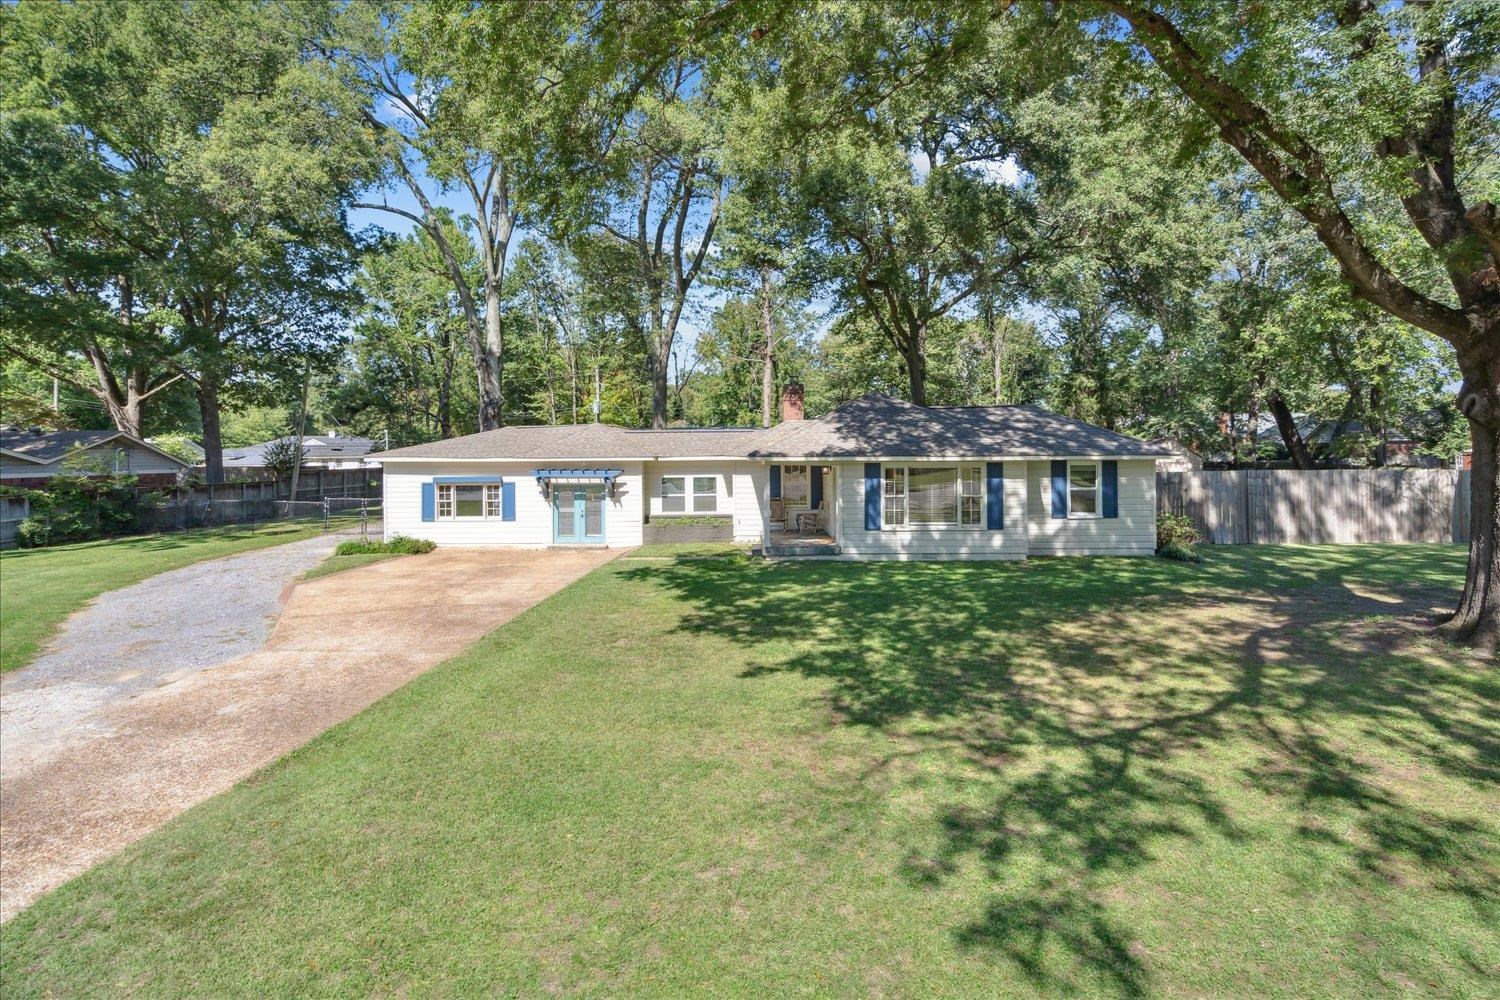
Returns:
<point x="791" y="401"/>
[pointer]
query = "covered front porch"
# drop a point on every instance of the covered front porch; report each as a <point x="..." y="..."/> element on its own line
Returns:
<point x="800" y="512"/>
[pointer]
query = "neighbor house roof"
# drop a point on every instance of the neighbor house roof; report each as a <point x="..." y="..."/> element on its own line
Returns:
<point x="879" y="426"/>
<point x="873" y="426"/>
<point x="253" y="456"/>
<point x="45" y="447"/>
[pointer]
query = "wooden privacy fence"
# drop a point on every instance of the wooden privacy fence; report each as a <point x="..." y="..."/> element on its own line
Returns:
<point x="1249" y="506"/>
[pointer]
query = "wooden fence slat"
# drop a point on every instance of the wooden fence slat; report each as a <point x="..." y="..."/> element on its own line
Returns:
<point x="1319" y="506"/>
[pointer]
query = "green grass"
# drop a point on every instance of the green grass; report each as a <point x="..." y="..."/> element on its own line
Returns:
<point x="40" y="588"/>
<point x="1061" y="778"/>
<point x="338" y="563"/>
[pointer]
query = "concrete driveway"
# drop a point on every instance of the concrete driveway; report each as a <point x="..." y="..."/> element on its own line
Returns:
<point x="70" y="798"/>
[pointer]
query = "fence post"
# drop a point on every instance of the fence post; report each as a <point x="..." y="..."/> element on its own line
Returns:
<point x="325" y="513"/>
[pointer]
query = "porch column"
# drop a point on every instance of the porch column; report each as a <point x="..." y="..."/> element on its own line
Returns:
<point x="765" y="511"/>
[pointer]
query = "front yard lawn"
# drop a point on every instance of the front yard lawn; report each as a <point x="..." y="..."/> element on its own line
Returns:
<point x="40" y="588"/>
<point x="1062" y="778"/>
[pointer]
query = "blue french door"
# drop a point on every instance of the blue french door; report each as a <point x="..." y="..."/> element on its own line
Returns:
<point x="578" y="514"/>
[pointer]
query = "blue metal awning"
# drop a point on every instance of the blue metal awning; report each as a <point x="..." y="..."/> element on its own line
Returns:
<point x="578" y="475"/>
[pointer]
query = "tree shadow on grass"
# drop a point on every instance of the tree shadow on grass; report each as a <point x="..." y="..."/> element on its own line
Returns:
<point x="1084" y="700"/>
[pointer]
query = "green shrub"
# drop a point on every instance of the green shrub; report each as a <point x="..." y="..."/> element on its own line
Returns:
<point x="1176" y="529"/>
<point x="77" y="508"/>
<point x="398" y="545"/>
<point x="1180" y="553"/>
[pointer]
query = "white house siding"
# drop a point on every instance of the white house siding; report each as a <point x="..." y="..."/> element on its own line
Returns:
<point x="749" y="484"/>
<point x="928" y="543"/>
<point x="533" y="524"/>
<point x="1133" y="533"/>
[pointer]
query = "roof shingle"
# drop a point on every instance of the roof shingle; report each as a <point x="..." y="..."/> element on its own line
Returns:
<point x="873" y="426"/>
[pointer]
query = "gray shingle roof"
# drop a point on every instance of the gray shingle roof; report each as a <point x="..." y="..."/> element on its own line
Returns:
<point x="873" y="426"/>
<point x="253" y="456"/>
<point x="580" y="441"/>
<point x="878" y="426"/>
<point x="52" y="446"/>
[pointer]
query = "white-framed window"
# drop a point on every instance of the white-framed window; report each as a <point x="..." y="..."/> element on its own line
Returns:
<point x="970" y="496"/>
<point x="705" y="493"/>
<point x="673" y="495"/>
<point x="932" y="495"/>
<point x="465" y="501"/>
<point x="894" y="507"/>
<point x="1083" y="489"/>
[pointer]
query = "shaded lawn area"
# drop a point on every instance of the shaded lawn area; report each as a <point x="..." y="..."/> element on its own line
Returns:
<point x="40" y="588"/>
<point x="1067" y="777"/>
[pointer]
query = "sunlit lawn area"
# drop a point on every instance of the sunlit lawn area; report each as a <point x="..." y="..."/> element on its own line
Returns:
<point x="724" y="777"/>
<point x="39" y="588"/>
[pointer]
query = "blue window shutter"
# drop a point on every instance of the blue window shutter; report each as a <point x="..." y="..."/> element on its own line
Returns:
<point x="507" y="501"/>
<point x="994" y="500"/>
<point x="429" y="502"/>
<point x="775" y="482"/>
<point x="1059" y="489"/>
<point x="816" y="472"/>
<point x="1111" y="489"/>
<point x="872" y="496"/>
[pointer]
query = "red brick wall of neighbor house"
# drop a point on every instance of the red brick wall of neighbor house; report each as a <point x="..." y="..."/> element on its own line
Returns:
<point x="153" y="480"/>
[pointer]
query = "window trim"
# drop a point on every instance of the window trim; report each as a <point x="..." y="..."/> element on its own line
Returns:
<point x="682" y="493"/>
<point x="713" y="494"/>
<point x="1098" y="511"/>
<point x="445" y="496"/>
<point x="905" y="494"/>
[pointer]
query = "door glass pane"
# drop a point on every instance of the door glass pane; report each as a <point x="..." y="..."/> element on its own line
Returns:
<point x="593" y="513"/>
<point x="468" y="501"/>
<point x="565" y="514"/>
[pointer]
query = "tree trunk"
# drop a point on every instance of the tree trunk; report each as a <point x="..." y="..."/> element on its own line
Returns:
<point x="1477" y="620"/>
<point x="659" y="365"/>
<point x="490" y="362"/>
<point x="997" y="347"/>
<point x="213" y="444"/>
<point x="1290" y="436"/>
<point x="768" y="365"/>
<point x="916" y="366"/>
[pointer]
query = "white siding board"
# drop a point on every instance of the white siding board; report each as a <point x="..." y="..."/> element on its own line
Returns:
<point x="928" y="543"/>
<point x="1133" y="533"/>
<point x="749" y="483"/>
<point x="724" y="491"/>
<point x="532" y="527"/>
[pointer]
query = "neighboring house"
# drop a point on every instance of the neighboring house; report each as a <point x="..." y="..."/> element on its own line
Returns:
<point x="30" y="456"/>
<point x="326" y="451"/>
<point x="877" y="478"/>
<point x="1180" y="458"/>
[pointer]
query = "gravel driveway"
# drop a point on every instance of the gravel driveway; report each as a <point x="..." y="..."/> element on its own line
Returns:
<point x="143" y="636"/>
<point x="145" y="710"/>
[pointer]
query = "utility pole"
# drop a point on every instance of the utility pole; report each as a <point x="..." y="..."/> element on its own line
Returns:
<point x="301" y="424"/>
<point x="598" y="394"/>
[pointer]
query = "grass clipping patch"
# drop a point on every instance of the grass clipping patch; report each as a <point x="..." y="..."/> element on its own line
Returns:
<point x="400" y="545"/>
